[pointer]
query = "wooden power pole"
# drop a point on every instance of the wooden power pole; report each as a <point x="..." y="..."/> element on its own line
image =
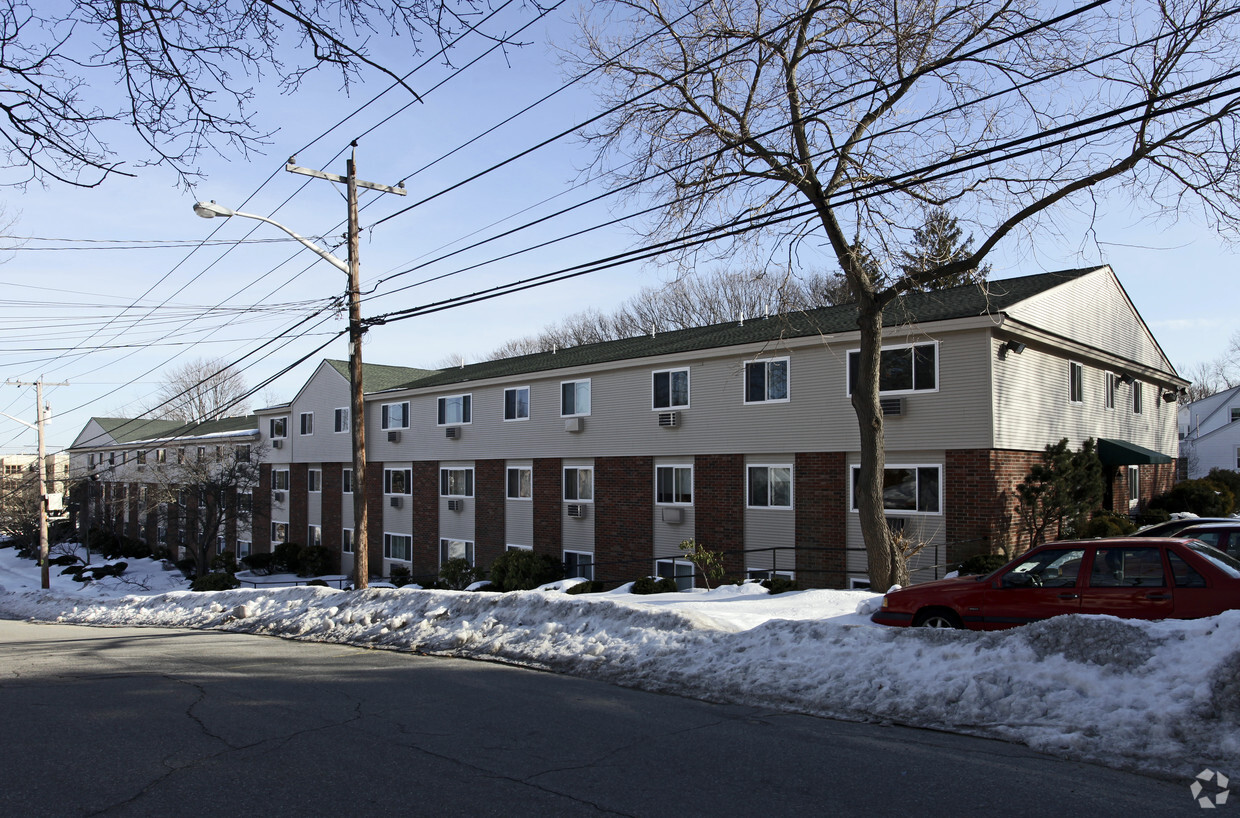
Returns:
<point x="41" y="469"/>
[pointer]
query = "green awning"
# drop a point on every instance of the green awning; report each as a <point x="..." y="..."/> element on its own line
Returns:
<point x="1123" y="453"/>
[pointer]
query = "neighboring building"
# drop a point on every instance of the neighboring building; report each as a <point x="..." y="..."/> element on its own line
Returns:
<point x="18" y="468"/>
<point x="1210" y="434"/>
<point x="740" y="436"/>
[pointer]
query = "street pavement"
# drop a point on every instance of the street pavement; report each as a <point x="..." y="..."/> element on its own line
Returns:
<point x="150" y="722"/>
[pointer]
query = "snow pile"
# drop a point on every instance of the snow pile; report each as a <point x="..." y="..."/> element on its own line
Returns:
<point x="1158" y="697"/>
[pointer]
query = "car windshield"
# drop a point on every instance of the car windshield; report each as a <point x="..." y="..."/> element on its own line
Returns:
<point x="1226" y="563"/>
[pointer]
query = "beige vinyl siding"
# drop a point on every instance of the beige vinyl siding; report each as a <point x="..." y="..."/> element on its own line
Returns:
<point x="518" y="514"/>
<point x="577" y="534"/>
<point x="928" y="528"/>
<point x="456" y="525"/>
<point x="669" y="536"/>
<point x="325" y="392"/>
<point x="398" y="520"/>
<point x="770" y="527"/>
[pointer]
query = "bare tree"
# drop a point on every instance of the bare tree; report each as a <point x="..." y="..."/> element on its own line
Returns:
<point x="199" y="390"/>
<point x="185" y="72"/>
<point x="1211" y="377"/>
<point x="807" y="126"/>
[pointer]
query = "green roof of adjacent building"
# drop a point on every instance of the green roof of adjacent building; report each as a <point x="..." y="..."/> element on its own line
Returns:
<point x="380" y="377"/>
<point x="131" y="430"/>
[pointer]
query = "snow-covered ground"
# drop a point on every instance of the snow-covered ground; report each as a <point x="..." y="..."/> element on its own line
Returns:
<point x="1160" y="697"/>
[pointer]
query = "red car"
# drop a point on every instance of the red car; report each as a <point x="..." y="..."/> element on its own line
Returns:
<point x="1130" y="577"/>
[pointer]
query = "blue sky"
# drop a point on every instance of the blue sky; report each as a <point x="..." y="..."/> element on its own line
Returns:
<point x="1177" y="275"/>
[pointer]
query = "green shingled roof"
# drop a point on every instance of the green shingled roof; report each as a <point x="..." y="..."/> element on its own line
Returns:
<point x="129" y="430"/>
<point x="379" y="377"/>
<point x="941" y="305"/>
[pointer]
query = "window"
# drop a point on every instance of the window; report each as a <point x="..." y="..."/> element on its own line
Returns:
<point x="670" y="389"/>
<point x="245" y="502"/>
<point x="455" y="409"/>
<point x="395" y="415"/>
<point x="1134" y="485"/>
<point x="679" y="571"/>
<point x="767" y="573"/>
<point x="513" y="547"/>
<point x="341" y="422"/>
<point x="279" y="532"/>
<point x="1136" y="397"/>
<point x="1108" y="394"/>
<point x="1076" y="382"/>
<point x="1183" y="574"/>
<point x="140" y="457"/>
<point x="574" y="398"/>
<point x="346" y="481"/>
<point x="314" y="535"/>
<point x="314" y="480"/>
<point x="520" y="483"/>
<point x="578" y="564"/>
<point x="346" y="540"/>
<point x="279" y="480"/>
<point x="904" y="368"/>
<point x="1127" y="568"/>
<point x="579" y="484"/>
<point x="307" y="423"/>
<point x="181" y="455"/>
<point x="161" y="456"/>
<point x="161" y="535"/>
<point x="673" y="484"/>
<point x="456" y="550"/>
<point x="908" y="489"/>
<point x="244" y="548"/>
<point x="279" y="427"/>
<point x="1053" y="568"/>
<point x="456" y="482"/>
<point x="202" y="453"/>
<point x="243" y="453"/>
<point x="1235" y="413"/>
<point x="769" y="486"/>
<point x="517" y="403"/>
<point x="766" y="380"/>
<point x="111" y="458"/>
<point x="398" y="547"/>
<point x="397" y="481"/>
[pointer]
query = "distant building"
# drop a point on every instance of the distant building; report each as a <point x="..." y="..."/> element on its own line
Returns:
<point x="1210" y="434"/>
<point x="20" y="468"/>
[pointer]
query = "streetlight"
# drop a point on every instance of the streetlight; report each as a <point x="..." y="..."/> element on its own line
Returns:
<point x="357" y="409"/>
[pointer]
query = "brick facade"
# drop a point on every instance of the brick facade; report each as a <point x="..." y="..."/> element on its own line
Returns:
<point x="719" y="507"/>
<point x="490" y="489"/>
<point x="623" y="517"/>
<point x="979" y="500"/>
<point x="298" y="503"/>
<point x="548" y="506"/>
<point x="820" y="492"/>
<point x="331" y="505"/>
<point x="426" y="518"/>
<point x="374" y="517"/>
<point x="260" y="530"/>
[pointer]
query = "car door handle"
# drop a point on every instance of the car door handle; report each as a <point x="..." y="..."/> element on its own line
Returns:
<point x="1069" y="596"/>
<point x="1158" y="596"/>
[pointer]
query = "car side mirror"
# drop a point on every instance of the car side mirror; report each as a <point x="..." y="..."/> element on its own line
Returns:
<point x="1015" y="579"/>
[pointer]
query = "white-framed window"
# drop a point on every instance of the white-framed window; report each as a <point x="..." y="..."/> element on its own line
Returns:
<point x="1108" y="391"/>
<point x="1076" y="382"/>
<point x="574" y="398"/>
<point x="307" y="423"/>
<point x="579" y="484"/>
<point x="140" y="457"/>
<point x="242" y="453"/>
<point x="278" y="427"/>
<point x="346" y="541"/>
<point x="181" y="455"/>
<point x="669" y="389"/>
<point x="858" y="584"/>
<point x="279" y="480"/>
<point x="517" y="403"/>
<point x="767" y="573"/>
<point x="766" y="381"/>
<point x="244" y="548"/>
<point x="908" y="489"/>
<point x="1137" y="402"/>
<point x="456" y="482"/>
<point x="456" y="550"/>
<point x="161" y="535"/>
<point x="394" y="415"/>
<point x="673" y="485"/>
<point x="455" y="410"/>
<point x="397" y="481"/>
<point x="520" y="483"/>
<point x="398" y="547"/>
<point x="161" y="456"/>
<point x="1235" y="413"/>
<point x="1134" y="485"/>
<point x="579" y="564"/>
<point x="314" y="480"/>
<point x="902" y="368"/>
<point x="346" y="481"/>
<point x="279" y="531"/>
<point x="314" y="535"/>
<point x="340" y="420"/>
<point x="245" y="502"/>
<point x="679" y="571"/>
<point x="768" y="486"/>
<point x="515" y="547"/>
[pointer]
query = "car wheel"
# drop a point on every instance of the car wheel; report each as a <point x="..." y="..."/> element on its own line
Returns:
<point x="938" y="619"/>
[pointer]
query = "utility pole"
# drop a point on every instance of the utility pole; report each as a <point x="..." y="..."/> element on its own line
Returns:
<point x="41" y="469"/>
<point x="357" y="406"/>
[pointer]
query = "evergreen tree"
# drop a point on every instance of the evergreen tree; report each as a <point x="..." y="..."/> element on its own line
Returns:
<point x="936" y="243"/>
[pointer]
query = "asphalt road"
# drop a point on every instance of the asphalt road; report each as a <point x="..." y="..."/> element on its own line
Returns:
<point x="137" y="722"/>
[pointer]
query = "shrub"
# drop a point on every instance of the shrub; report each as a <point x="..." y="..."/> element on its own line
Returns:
<point x="589" y="587"/>
<point x="215" y="581"/>
<point x="458" y="574"/>
<point x="133" y="549"/>
<point x="400" y="575"/>
<point x="779" y="585"/>
<point x="1108" y="524"/>
<point x="285" y="557"/>
<point x="1230" y="479"/>
<point x="521" y="570"/>
<point x="1202" y="497"/>
<point x="314" y="560"/>
<point x="317" y="583"/>
<point x="654" y="585"/>
<point x="260" y="564"/>
<point x="188" y="567"/>
<point x="65" y="559"/>
<point x="981" y="564"/>
<point x="225" y="561"/>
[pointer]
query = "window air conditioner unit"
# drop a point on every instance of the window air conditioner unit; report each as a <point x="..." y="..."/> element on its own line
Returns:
<point x="452" y="433"/>
<point x="395" y="502"/>
<point x="892" y="406"/>
<point x="577" y="511"/>
<point x="669" y="420"/>
<point x="673" y="515"/>
<point x="277" y="443"/>
<point x="572" y="424"/>
<point x="456" y="505"/>
<point x="393" y="436"/>
<point x="277" y="497"/>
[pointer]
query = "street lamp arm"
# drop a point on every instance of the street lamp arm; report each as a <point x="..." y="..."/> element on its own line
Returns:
<point x="209" y="210"/>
